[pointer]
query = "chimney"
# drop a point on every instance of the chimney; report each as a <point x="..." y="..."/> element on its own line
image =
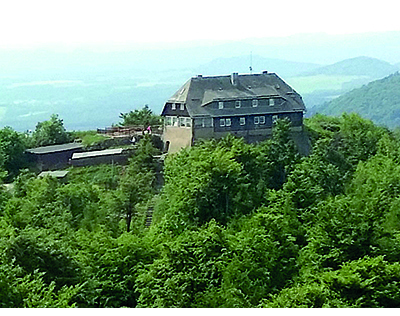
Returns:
<point x="234" y="78"/>
<point x="265" y="72"/>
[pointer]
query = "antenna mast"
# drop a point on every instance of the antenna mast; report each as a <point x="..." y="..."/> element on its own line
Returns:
<point x="251" y="62"/>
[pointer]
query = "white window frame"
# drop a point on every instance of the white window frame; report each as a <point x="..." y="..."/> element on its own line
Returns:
<point x="256" y="120"/>
<point x="222" y="122"/>
<point x="182" y="121"/>
<point x="220" y="105"/>
<point x="262" y="119"/>
<point x="254" y="103"/>
<point x="228" y="122"/>
<point x="173" y="106"/>
<point x="242" y="121"/>
<point x="188" y="122"/>
<point x="271" y="102"/>
<point x="182" y="106"/>
<point x="168" y="121"/>
<point x="238" y="104"/>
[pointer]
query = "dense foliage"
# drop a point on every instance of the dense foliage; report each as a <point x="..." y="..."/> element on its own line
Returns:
<point x="51" y="132"/>
<point x="234" y="225"/>
<point x="143" y="117"/>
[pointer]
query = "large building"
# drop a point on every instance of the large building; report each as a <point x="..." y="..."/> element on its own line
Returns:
<point x="244" y="105"/>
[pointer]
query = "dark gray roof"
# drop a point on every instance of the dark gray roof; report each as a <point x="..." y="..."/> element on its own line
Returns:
<point x="198" y="92"/>
<point x="54" y="148"/>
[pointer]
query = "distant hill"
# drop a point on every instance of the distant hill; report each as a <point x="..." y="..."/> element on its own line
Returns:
<point x="283" y="68"/>
<point x="325" y="83"/>
<point x="379" y="101"/>
<point x="358" y="66"/>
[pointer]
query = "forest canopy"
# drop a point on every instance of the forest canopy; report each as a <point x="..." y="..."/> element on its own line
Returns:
<point x="233" y="225"/>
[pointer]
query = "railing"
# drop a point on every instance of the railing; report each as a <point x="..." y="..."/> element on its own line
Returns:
<point x="117" y="131"/>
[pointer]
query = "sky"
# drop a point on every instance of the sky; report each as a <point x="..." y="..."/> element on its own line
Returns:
<point x="36" y="22"/>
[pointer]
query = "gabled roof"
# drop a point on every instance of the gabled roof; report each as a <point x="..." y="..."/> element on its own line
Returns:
<point x="198" y="92"/>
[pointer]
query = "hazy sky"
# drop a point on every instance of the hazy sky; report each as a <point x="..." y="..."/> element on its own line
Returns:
<point x="71" y="21"/>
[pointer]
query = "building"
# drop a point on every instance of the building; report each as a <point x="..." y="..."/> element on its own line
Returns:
<point x="53" y="157"/>
<point x="244" y="105"/>
<point x="107" y="156"/>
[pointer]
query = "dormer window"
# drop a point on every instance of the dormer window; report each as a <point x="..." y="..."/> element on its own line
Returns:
<point x="254" y="103"/>
<point x="173" y="106"/>
<point x="182" y="107"/>
<point x="271" y="102"/>
<point x="220" y="105"/>
<point x="238" y="104"/>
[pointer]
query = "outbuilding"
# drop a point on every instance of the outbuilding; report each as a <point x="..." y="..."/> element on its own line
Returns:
<point x="53" y="157"/>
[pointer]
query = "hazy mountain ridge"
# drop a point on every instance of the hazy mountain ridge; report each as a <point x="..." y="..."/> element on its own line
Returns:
<point x="241" y="64"/>
<point x="90" y="85"/>
<point x="358" y="66"/>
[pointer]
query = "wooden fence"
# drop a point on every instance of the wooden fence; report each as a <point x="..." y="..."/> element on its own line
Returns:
<point x="118" y="131"/>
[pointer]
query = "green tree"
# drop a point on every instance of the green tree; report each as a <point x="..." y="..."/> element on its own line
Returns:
<point x="367" y="282"/>
<point x="12" y="148"/>
<point x="188" y="267"/>
<point x="143" y="117"/>
<point x="278" y="155"/>
<point x="51" y="132"/>
<point x="137" y="183"/>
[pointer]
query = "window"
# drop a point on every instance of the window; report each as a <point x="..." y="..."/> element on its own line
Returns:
<point x="242" y="121"/>
<point x="220" y="105"/>
<point x="254" y="103"/>
<point x="238" y="104"/>
<point x="182" y="121"/>
<point x="256" y="120"/>
<point x="274" y="118"/>
<point x="173" y="105"/>
<point x="168" y="121"/>
<point x="228" y="122"/>
<point x="174" y="121"/>
<point x="182" y="107"/>
<point x="262" y="119"/>
<point x="188" y="122"/>
<point x="222" y="122"/>
<point x="271" y="102"/>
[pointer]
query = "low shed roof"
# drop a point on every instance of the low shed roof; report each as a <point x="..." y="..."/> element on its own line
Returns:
<point x="55" y="174"/>
<point x="54" y="148"/>
<point x="91" y="154"/>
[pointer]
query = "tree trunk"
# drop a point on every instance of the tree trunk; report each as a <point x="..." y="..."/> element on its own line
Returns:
<point x="128" y="219"/>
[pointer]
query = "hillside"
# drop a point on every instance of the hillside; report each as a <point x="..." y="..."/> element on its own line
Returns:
<point x="378" y="101"/>
<point x="328" y="82"/>
<point x="358" y="66"/>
